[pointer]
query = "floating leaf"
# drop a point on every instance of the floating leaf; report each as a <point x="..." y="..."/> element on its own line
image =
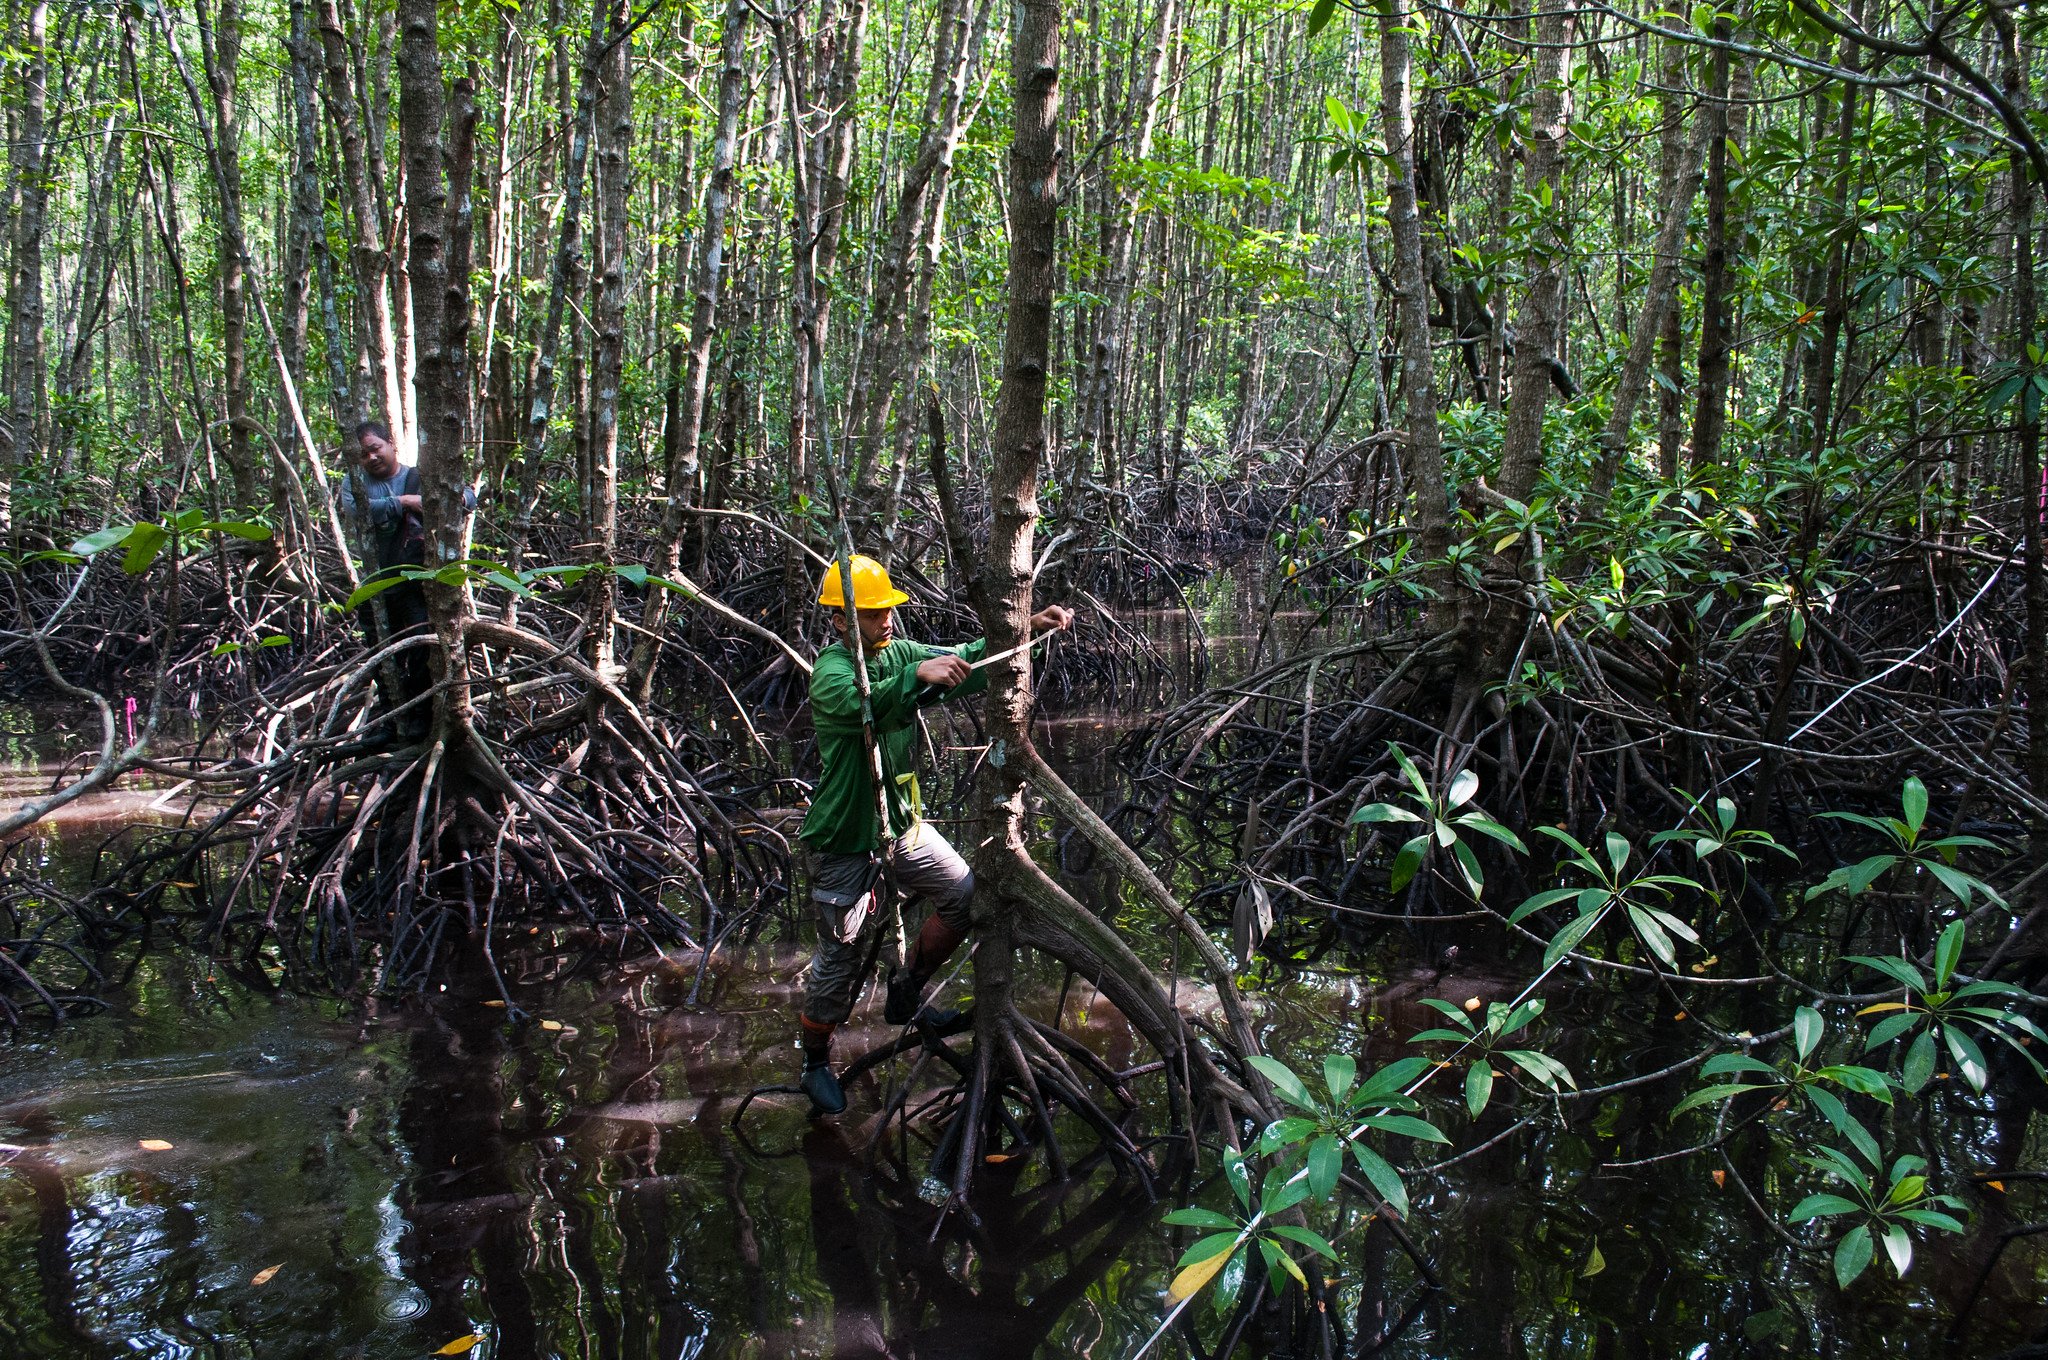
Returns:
<point x="155" y="1145"/>
<point x="551" y="1025"/>
<point x="461" y="1345"/>
<point x="265" y="1275"/>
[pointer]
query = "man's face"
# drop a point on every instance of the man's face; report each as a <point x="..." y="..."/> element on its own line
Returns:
<point x="380" y="459"/>
<point x="877" y="626"/>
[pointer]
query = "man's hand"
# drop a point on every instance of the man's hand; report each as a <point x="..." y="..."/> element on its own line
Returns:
<point x="1053" y="616"/>
<point x="408" y="505"/>
<point x="945" y="671"/>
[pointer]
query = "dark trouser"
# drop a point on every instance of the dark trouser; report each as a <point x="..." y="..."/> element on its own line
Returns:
<point x="924" y="866"/>
<point x="405" y="609"/>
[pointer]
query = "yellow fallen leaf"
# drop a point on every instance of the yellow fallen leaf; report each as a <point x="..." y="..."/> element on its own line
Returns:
<point x="175" y="883"/>
<point x="1191" y="1280"/>
<point x="461" y="1345"/>
<point x="1679" y="1016"/>
<point x="1999" y="1186"/>
<point x="551" y="1025"/>
<point x="499" y="1004"/>
<point x="1473" y="1003"/>
<point x="265" y="1275"/>
<point x="155" y="1145"/>
<point x="998" y="1158"/>
<point x="1720" y="1178"/>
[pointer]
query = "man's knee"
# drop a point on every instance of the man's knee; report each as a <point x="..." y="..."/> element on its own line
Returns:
<point x="955" y="906"/>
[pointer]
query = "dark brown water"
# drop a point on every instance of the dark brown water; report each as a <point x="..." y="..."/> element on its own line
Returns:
<point x="574" y="1185"/>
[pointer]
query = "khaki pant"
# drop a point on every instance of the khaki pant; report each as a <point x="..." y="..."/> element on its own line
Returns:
<point x="924" y="867"/>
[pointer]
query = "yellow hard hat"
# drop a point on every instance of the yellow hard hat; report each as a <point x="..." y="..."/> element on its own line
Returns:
<point x="871" y="588"/>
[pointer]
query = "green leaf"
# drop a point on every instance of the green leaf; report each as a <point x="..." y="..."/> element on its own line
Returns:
<point x="1383" y="812"/>
<point x="1382" y="1086"/>
<point x="1340" y="1074"/>
<point x="1478" y="1087"/>
<point x="1406" y="862"/>
<point x="1948" y="952"/>
<point x="1285" y="1133"/>
<point x="1325" y="1160"/>
<point x="1831" y="1107"/>
<point x="1240" y="1178"/>
<point x="1319" y="17"/>
<point x="254" y="533"/>
<point x="1919" y="1064"/>
<point x="145" y="541"/>
<point x="1547" y="897"/>
<point x="1969" y="1058"/>
<point x="1914" y="801"/>
<point x="1852" y="1256"/>
<point x="1566" y="940"/>
<point x="1207" y="1247"/>
<point x="103" y="538"/>
<point x="1708" y="1094"/>
<point x="1807" y="1028"/>
<point x="1822" y="1206"/>
<point x="1284" y="1081"/>
<point x="1464" y="784"/>
<point x="1382" y="1176"/>
<point x="1407" y="1125"/>
<point x="371" y="589"/>
<point x="275" y="640"/>
<point x="1314" y="1241"/>
<point x="1899" y="1247"/>
<point x="1653" y="935"/>
<point x="1898" y="969"/>
<point x="1200" y="1218"/>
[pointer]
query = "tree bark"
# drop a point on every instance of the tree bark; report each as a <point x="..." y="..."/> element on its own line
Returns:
<point x="367" y="219"/>
<point x="1411" y="291"/>
<point x="608" y="353"/>
<point x="1710" y="414"/>
<point x="439" y="309"/>
<point x="684" y="460"/>
<point x="1660" y="291"/>
<point x="27" y="396"/>
<point x="1541" y="318"/>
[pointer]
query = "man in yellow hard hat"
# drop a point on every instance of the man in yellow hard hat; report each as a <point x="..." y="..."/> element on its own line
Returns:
<point x="850" y="851"/>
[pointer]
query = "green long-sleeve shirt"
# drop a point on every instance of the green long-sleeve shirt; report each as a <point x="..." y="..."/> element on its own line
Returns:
<point x="842" y="816"/>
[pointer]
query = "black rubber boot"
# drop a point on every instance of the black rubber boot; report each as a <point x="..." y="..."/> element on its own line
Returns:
<point x="819" y="1083"/>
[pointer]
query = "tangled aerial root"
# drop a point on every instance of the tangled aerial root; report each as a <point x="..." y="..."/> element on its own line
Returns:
<point x="349" y="845"/>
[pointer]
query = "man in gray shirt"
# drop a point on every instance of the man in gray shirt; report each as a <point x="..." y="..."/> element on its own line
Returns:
<point x="383" y="497"/>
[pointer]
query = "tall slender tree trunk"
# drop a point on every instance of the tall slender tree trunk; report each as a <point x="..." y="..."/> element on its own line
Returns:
<point x="1411" y="290"/>
<point x="608" y="354"/>
<point x="684" y="460"/>
<point x="1710" y="413"/>
<point x="440" y="303"/>
<point x="1542" y="315"/>
<point x="563" y="270"/>
<point x="367" y="218"/>
<point x="27" y="396"/>
<point x="1112" y="321"/>
<point x="220" y="48"/>
<point x="1660" y="292"/>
